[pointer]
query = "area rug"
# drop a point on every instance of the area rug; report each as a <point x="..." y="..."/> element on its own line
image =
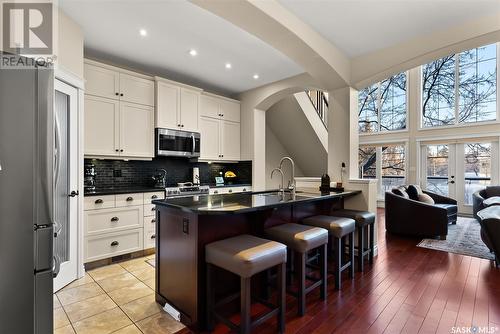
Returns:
<point x="463" y="238"/>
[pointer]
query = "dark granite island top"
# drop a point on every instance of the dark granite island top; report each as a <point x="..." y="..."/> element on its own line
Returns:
<point x="186" y="225"/>
<point x="247" y="202"/>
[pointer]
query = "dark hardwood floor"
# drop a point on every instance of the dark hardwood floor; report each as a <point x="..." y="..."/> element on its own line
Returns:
<point x="407" y="290"/>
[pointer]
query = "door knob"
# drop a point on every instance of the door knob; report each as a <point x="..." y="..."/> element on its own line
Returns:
<point x="74" y="193"/>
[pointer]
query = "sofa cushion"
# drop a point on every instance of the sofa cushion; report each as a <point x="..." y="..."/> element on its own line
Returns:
<point x="424" y="198"/>
<point x="450" y="208"/>
<point x="414" y="191"/>
<point x="401" y="191"/>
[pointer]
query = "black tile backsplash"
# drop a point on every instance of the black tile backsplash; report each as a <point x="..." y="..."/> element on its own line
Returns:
<point x="132" y="173"/>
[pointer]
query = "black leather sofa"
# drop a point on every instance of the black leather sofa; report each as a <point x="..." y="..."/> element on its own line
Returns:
<point x="412" y="217"/>
<point x="479" y="196"/>
<point x="489" y="219"/>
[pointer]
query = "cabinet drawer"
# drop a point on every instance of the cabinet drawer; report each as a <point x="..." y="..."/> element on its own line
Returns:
<point x="99" y="202"/>
<point x="129" y="200"/>
<point x="149" y="238"/>
<point x="149" y="210"/>
<point x="148" y="197"/>
<point x="109" y="220"/>
<point x="150" y="222"/>
<point x="113" y="244"/>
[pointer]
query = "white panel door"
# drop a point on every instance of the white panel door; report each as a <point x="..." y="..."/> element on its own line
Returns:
<point x="210" y="141"/>
<point x="137" y="90"/>
<point x="102" y="82"/>
<point x="189" y="109"/>
<point x="209" y="106"/>
<point x="167" y="105"/>
<point x="230" y="141"/>
<point x="101" y="126"/>
<point x="136" y="130"/>
<point x="230" y="110"/>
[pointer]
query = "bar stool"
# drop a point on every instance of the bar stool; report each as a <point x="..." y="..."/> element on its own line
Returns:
<point x="338" y="228"/>
<point x="301" y="239"/>
<point x="245" y="256"/>
<point x="364" y="221"/>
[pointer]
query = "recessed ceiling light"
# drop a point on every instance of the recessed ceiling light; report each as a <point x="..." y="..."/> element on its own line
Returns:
<point x="193" y="52"/>
<point x="229" y="66"/>
<point x="255" y="76"/>
<point x="143" y="32"/>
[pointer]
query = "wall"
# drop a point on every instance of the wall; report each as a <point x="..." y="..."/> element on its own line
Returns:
<point x="139" y="173"/>
<point x="274" y="152"/>
<point x="69" y="48"/>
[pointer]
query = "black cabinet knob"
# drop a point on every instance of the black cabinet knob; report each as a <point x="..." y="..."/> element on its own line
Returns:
<point x="130" y="199"/>
<point x="117" y="150"/>
<point x="121" y="150"/>
<point x="115" y="219"/>
<point x="121" y="94"/>
<point x="153" y="220"/>
<point x="182" y="125"/>
<point x="154" y="197"/>
<point x="230" y="190"/>
<point x="152" y="209"/>
<point x="117" y="94"/>
<point x="98" y="201"/>
<point x="179" y="125"/>
<point x="74" y="193"/>
<point x="115" y="243"/>
<point x="153" y="236"/>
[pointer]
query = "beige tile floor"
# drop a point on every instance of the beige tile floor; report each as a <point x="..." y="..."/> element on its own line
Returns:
<point x="118" y="298"/>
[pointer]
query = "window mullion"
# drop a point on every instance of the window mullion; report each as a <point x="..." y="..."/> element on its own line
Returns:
<point x="457" y="97"/>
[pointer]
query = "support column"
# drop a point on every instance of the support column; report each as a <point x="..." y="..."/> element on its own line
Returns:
<point x="343" y="137"/>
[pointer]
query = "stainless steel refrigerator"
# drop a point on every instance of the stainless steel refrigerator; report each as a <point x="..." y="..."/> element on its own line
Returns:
<point x="27" y="171"/>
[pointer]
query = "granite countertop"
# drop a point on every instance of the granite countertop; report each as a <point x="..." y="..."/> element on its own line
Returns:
<point x="247" y="202"/>
<point x="213" y="185"/>
<point x="122" y="190"/>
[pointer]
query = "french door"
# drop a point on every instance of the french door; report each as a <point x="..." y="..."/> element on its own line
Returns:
<point x="66" y="184"/>
<point x="458" y="169"/>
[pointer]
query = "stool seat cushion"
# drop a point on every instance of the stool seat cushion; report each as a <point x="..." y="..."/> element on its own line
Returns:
<point x="245" y="255"/>
<point x="300" y="238"/>
<point x="337" y="226"/>
<point x="362" y="218"/>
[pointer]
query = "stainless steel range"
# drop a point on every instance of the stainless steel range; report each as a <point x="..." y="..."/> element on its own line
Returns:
<point x="186" y="190"/>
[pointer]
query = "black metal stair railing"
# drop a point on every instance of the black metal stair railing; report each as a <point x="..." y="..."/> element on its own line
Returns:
<point x="319" y="100"/>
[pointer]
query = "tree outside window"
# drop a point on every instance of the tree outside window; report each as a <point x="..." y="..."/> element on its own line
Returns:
<point x="382" y="106"/>
<point x="460" y="88"/>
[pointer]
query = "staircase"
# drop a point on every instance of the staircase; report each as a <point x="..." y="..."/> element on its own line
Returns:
<point x="319" y="100"/>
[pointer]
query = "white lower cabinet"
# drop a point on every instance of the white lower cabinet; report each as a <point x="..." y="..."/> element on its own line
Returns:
<point x="119" y="224"/>
<point x="112" y="244"/>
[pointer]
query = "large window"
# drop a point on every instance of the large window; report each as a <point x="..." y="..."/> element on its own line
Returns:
<point x="460" y="88"/>
<point x="390" y="170"/>
<point x="382" y="106"/>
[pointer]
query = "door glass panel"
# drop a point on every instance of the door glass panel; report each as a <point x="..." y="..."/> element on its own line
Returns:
<point x="437" y="169"/>
<point x="61" y="213"/>
<point x="367" y="162"/>
<point x="393" y="167"/>
<point x="477" y="168"/>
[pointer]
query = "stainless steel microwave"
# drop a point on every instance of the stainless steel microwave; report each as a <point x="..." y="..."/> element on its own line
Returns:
<point x="175" y="143"/>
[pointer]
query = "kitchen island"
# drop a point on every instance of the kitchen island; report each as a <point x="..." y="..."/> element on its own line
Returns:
<point x="185" y="225"/>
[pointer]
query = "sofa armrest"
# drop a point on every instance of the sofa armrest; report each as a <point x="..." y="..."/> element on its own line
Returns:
<point x="439" y="199"/>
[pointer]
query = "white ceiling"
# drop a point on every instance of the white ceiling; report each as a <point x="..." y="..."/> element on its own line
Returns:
<point x="174" y="27"/>
<point x="359" y="27"/>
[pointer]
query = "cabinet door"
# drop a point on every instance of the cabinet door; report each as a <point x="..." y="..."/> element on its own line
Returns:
<point x="230" y="140"/>
<point x="210" y="143"/>
<point x="137" y="90"/>
<point x="102" y="121"/>
<point x="167" y="105"/>
<point x="101" y="82"/>
<point x="136" y="130"/>
<point x="230" y="110"/>
<point x="209" y="106"/>
<point x="189" y="109"/>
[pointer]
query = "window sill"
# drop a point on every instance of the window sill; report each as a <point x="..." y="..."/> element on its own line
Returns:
<point x="457" y="126"/>
<point x="367" y="134"/>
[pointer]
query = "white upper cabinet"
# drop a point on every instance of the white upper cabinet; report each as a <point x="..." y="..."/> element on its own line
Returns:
<point x="210" y="129"/>
<point x="230" y="110"/>
<point x="230" y="142"/>
<point x="136" y="130"/>
<point x="119" y="113"/>
<point x="103" y="82"/>
<point x="210" y="106"/>
<point x="137" y="90"/>
<point x="219" y="107"/>
<point x="176" y="106"/>
<point x="102" y="119"/>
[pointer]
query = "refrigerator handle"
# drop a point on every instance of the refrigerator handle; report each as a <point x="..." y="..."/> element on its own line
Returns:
<point x="194" y="145"/>
<point x="57" y="266"/>
<point x="57" y="154"/>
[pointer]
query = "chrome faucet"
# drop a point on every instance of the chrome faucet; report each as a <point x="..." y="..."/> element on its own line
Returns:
<point x="282" y="185"/>
<point x="292" y="184"/>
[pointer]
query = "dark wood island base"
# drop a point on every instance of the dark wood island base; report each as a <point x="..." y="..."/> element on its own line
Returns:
<point x="186" y="225"/>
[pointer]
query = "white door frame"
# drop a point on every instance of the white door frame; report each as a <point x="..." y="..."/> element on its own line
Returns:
<point x="78" y="83"/>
